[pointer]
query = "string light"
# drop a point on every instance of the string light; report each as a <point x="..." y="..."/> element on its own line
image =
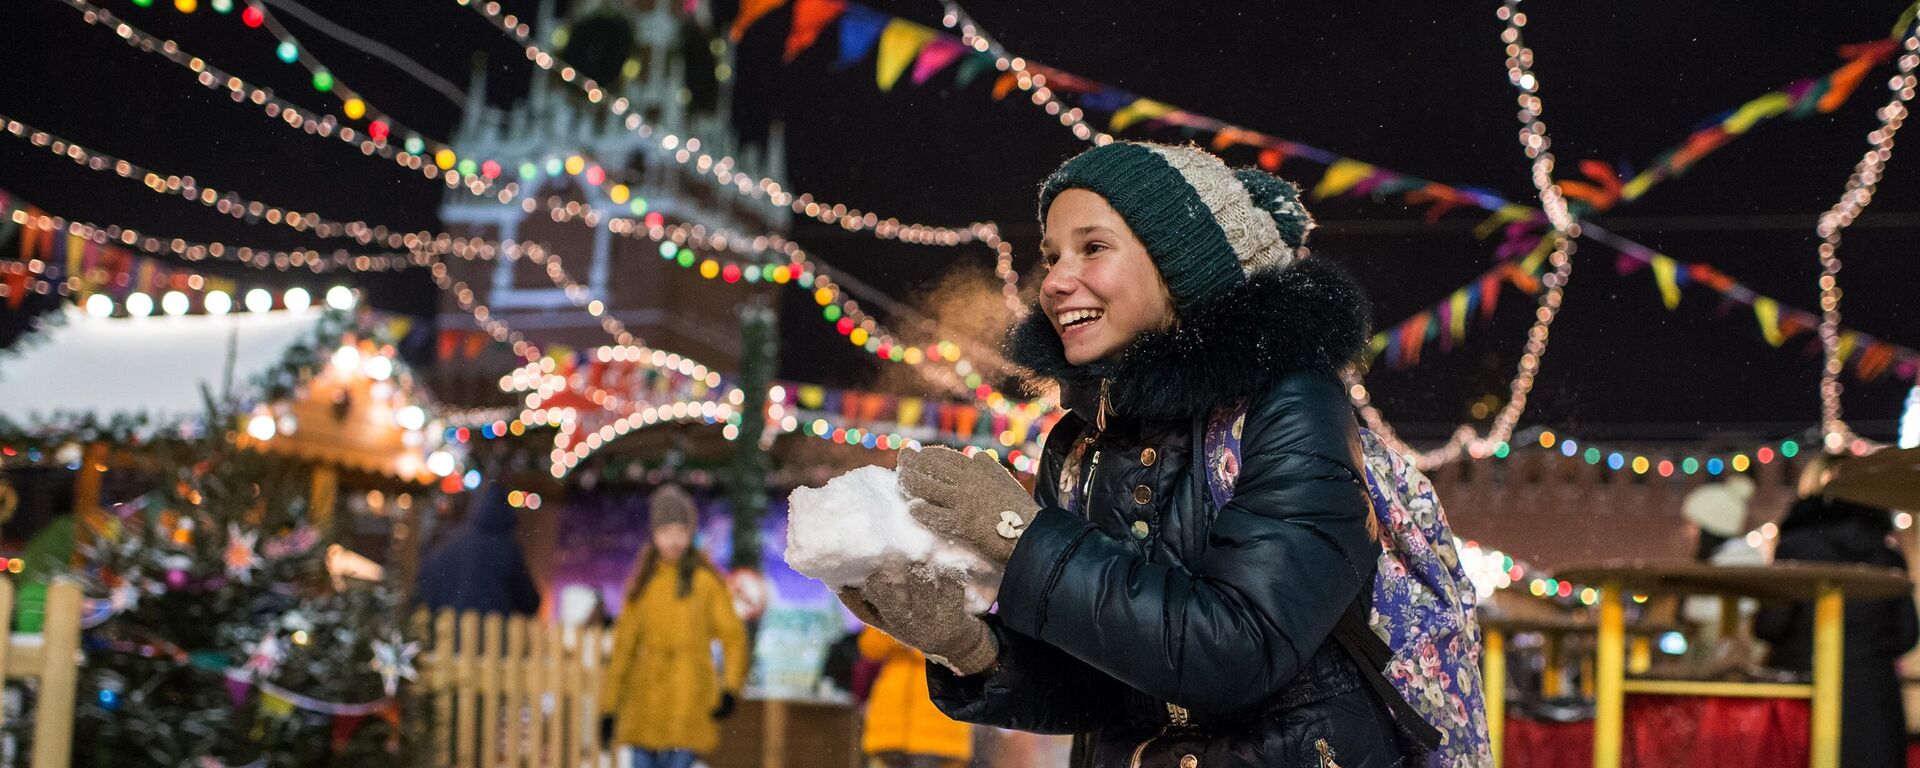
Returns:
<point x="973" y="36"/>
<point x="185" y="186"/>
<point x="1855" y="199"/>
<point x="426" y="244"/>
<point x="1665" y="466"/>
<point x="309" y="259"/>
<point x="372" y="140"/>
<point x="1534" y="141"/>
<point x="189" y="188"/>
<point x="412" y="157"/>
<point x="685" y="151"/>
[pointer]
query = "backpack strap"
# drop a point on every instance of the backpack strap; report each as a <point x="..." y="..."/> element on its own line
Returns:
<point x="1220" y="461"/>
<point x="1371" y="655"/>
<point x="1219" y="458"/>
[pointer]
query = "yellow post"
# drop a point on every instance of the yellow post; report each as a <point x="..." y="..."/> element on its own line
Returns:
<point x="773" y="734"/>
<point x="1493" y="683"/>
<point x="1640" y="656"/>
<point x="53" y="718"/>
<point x="1553" y="672"/>
<point x="326" y="486"/>
<point x="1609" y="720"/>
<point x="1829" y="620"/>
<point x="466" y="672"/>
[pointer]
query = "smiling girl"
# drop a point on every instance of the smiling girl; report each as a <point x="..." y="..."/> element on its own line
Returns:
<point x="1164" y="628"/>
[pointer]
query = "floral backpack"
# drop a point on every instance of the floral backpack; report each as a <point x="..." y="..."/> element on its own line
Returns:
<point x="1423" y="653"/>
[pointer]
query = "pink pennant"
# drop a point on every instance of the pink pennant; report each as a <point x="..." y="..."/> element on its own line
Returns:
<point x="939" y="53"/>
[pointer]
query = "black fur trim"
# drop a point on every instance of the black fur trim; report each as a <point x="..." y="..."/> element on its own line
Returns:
<point x="1310" y="316"/>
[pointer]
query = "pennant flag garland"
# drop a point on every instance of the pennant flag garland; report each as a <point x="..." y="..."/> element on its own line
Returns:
<point x="1446" y="321"/>
<point x="1796" y="100"/>
<point x="1869" y="357"/>
<point x="862" y="27"/>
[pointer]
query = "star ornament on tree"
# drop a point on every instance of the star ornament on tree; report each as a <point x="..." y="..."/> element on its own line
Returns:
<point x="394" y="660"/>
<point x="240" y="558"/>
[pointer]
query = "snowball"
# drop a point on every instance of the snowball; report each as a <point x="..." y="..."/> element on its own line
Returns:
<point x="858" y="524"/>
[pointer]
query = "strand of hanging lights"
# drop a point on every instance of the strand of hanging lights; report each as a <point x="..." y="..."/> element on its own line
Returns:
<point x="1858" y="194"/>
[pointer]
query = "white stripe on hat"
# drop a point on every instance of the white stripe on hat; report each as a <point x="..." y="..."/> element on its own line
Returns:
<point x="1252" y="232"/>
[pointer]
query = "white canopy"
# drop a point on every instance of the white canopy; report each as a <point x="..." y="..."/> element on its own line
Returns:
<point x="107" y="367"/>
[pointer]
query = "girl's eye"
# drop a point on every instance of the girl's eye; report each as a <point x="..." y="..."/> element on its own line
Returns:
<point x="1096" y="247"/>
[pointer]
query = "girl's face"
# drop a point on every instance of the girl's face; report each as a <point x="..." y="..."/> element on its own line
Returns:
<point x="1101" y="290"/>
<point x="672" y="541"/>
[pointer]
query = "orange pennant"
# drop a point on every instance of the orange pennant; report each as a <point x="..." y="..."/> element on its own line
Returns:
<point x="810" y="17"/>
<point x="752" y="11"/>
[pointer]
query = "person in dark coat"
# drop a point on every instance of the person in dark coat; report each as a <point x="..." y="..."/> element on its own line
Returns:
<point x="1160" y="629"/>
<point x="1873" y="722"/>
<point x="479" y="566"/>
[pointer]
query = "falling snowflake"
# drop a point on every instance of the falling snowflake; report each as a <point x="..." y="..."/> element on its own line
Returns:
<point x="394" y="660"/>
<point x="240" y="558"/>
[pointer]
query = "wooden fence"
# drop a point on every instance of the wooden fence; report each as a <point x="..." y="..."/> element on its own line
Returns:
<point x="51" y="657"/>
<point x="513" y="691"/>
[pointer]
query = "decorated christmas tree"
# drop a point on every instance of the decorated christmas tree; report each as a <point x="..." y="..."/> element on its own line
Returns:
<point x="216" y="636"/>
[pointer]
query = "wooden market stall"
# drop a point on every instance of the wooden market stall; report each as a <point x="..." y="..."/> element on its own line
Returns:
<point x="321" y="386"/>
<point x="1827" y="585"/>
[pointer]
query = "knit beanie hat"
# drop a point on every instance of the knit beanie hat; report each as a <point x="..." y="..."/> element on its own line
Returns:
<point x="671" y="505"/>
<point x="1206" y="226"/>
<point x="1720" y="508"/>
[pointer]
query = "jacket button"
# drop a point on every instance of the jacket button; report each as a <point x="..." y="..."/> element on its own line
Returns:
<point x="1189" y="761"/>
<point x="1148" y="456"/>
<point x="1142" y="494"/>
<point x="1141" y="529"/>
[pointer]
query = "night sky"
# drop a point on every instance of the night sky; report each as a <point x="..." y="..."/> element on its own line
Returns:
<point x="1415" y="87"/>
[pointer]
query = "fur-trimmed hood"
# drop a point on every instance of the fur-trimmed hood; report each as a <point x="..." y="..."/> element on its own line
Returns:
<point x="1310" y="316"/>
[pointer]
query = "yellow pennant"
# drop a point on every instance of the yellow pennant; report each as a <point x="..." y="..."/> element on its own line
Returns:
<point x="811" y="396"/>
<point x="911" y="409"/>
<point x="1140" y="109"/>
<point x="1340" y="177"/>
<point x="1768" y="311"/>
<point x="1755" y="111"/>
<point x="1666" y="273"/>
<point x="900" y="43"/>
<point x="1458" y="319"/>
<point x="1844" y="349"/>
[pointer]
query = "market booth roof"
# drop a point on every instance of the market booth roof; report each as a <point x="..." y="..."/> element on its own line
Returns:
<point x="314" y="386"/>
<point x="152" y="369"/>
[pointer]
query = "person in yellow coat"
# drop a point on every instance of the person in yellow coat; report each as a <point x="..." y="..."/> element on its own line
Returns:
<point x="904" y="729"/>
<point x="661" y="694"/>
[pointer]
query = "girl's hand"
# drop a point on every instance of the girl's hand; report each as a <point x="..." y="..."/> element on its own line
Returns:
<point x="972" y="500"/>
<point x="926" y="609"/>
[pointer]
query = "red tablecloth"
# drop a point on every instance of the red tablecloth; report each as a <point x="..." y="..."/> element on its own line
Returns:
<point x="1673" y="731"/>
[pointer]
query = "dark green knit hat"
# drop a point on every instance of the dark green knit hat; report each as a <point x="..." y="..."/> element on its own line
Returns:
<point x="1206" y="226"/>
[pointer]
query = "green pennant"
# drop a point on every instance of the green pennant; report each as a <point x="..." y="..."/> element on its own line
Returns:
<point x="972" y="67"/>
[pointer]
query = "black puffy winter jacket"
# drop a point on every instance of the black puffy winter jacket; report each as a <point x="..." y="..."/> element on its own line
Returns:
<point x="1164" y="631"/>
